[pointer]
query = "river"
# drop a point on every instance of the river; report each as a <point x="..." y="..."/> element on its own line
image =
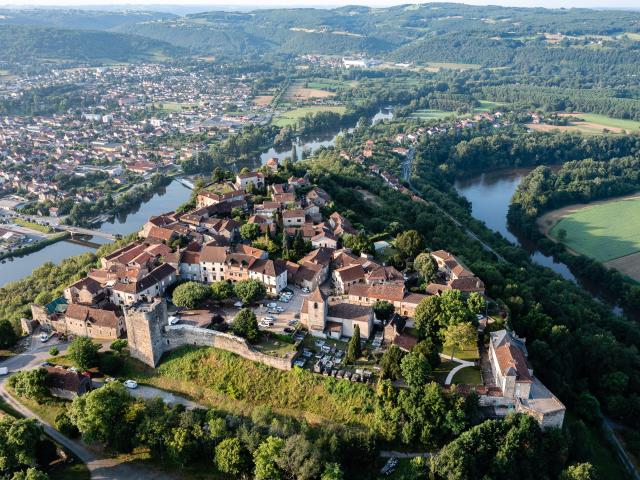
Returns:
<point x="490" y="195"/>
<point x="310" y="146"/>
<point x="165" y="200"/>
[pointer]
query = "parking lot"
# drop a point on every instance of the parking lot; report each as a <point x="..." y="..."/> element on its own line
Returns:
<point x="285" y="319"/>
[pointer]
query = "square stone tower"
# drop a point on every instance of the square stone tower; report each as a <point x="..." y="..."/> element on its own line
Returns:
<point x="145" y="321"/>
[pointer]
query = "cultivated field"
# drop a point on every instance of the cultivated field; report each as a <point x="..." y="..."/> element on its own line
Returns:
<point x="591" y="123"/>
<point x="297" y="92"/>
<point x="262" y="100"/>
<point x="607" y="231"/>
<point x="432" y="114"/>
<point x="291" y="117"/>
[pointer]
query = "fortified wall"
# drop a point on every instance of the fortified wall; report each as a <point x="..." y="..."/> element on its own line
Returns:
<point x="179" y="335"/>
<point x="150" y="335"/>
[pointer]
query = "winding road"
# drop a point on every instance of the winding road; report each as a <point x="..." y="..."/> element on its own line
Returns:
<point x="101" y="466"/>
<point x="407" y="167"/>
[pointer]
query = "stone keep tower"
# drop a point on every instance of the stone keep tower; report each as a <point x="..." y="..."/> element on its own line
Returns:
<point x="317" y="310"/>
<point x="145" y="321"/>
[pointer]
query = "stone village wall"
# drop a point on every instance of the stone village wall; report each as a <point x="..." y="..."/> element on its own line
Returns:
<point x="175" y="336"/>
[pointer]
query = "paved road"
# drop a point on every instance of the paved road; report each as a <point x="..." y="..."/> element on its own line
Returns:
<point x="100" y="466"/>
<point x="608" y="427"/>
<point x="406" y="176"/>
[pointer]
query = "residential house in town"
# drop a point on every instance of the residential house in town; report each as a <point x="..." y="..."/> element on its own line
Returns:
<point x="66" y="382"/>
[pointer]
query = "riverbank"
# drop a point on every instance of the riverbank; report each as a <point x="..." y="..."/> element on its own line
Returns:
<point x="35" y="246"/>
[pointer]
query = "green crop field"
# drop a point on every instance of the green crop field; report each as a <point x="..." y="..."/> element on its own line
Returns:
<point x="608" y="121"/>
<point x="604" y="231"/>
<point x="432" y="114"/>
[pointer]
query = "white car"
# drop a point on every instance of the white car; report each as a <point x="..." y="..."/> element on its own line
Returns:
<point x="279" y="309"/>
<point x="44" y="337"/>
<point x="130" y="384"/>
<point x="305" y="290"/>
<point x="271" y="305"/>
<point x="238" y="304"/>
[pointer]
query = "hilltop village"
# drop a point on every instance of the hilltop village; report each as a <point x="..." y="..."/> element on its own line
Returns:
<point x="316" y="290"/>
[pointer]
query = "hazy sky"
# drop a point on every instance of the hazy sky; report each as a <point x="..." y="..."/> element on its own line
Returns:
<point x="209" y="4"/>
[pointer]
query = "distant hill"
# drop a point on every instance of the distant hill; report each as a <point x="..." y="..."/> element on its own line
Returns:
<point x="76" y="18"/>
<point x="489" y="36"/>
<point x="29" y="44"/>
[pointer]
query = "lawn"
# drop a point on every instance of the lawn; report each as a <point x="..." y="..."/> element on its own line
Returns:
<point x="469" y="352"/>
<point x="32" y="225"/>
<point x="602" y="231"/>
<point x="230" y="383"/>
<point x="48" y="410"/>
<point x="487" y="106"/>
<point x="441" y="371"/>
<point x="274" y="347"/>
<point x="468" y="376"/>
<point x="291" y="117"/>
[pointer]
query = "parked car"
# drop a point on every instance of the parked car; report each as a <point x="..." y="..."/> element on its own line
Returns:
<point x="269" y="319"/>
<point x="279" y="309"/>
<point x="4" y="371"/>
<point x="131" y="384"/>
<point x="238" y="304"/>
<point x="288" y="330"/>
<point x="44" y="337"/>
<point x="292" y="322"/>
<point x="305" y="290"/>
<point x="272" y="305"/>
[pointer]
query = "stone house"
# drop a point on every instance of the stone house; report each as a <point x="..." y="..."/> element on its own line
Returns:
<point x="334" y="318"/>
<point x="520" y="388"/>
<point x="67" y="383"/>
<point x="293" y="218"/>
<point x="92" y="322"/>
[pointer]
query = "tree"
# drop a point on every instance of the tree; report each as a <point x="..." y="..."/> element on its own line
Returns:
<point x="562" y="234"/>
<point x="7" y="334"/>
<point x="53" y="351"/>
<point x="119" y="345"/>
<point x="354" y="350"/>
<point x="299" y="459"/>
<point x="390" y="363"/>
<point x="249" y="291"/>
<point x="19" y="440"/>
<point x="30" y="384"/>
<point x="579" y="471"/>
<point x="264" y="459"/>
<point x="102" y="416"/>
<point x="383" y="309"/>
<point x="30" y="474"/>
<point x="221" y="290"/>
<point x="230" y="457"/>
<point x="415" y="369"/>
<point x="476" y="303"/>
<point x="332" y="471"/>
<point x="409" y="243"/>
<point x="83" y="352"/>
<point x="190" y="294"/>
<point x="250" y="231"/>
<point x="429" y="350"/>
<point x="425" y="266"/>
<point x="358" y="243"/>
<point x="246" y="325"/>
<point x="457" y="336"/>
